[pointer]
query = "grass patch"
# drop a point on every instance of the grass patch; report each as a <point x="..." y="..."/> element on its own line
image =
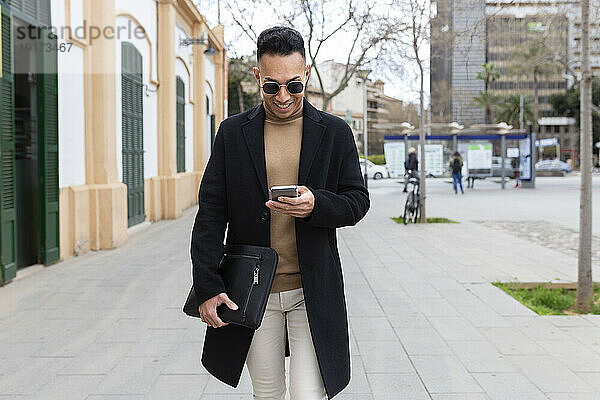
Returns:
<point x="438" y="220"/>
<point x="545" y="300"/>
<point x="435" y="220"/>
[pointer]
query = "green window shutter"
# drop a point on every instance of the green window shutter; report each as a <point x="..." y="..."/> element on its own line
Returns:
<point x="8" y="212"/>
<point x="180" y="125"/>
<point x="35" y="10"/>
<point x="132" y="99"/>
<point x="47" y="91"/>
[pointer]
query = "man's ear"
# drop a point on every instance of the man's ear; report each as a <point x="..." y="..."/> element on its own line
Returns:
<point x="307" y="71"/>
<point x="256" y="73"/>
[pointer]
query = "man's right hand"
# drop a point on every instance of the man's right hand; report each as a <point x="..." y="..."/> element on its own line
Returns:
<point x="208" y="310"/>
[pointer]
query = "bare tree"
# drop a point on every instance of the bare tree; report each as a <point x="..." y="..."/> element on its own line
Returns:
<point x="411" y="42"/>
<point x="322" y="22"/>
<point x="585" y="288"/>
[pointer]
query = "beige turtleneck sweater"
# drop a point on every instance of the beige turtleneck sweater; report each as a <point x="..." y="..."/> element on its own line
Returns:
<point x="283" y="139"/>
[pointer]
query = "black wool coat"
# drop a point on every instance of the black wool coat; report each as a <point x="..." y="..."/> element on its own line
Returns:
<point x="234" y="191"/>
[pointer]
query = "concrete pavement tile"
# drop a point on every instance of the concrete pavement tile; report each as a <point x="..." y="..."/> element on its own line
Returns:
<point x="224" y="397"/>
<point x="385" y="358"/>
<point x="484" y="317"/>
<point x="180" y="387"/>
<point x="132" y="375"/>
<point x="568" y="320"/>
<point x="32" y="376"/>
<point x="358" y="379"/>
<point x="350" y="396"/>
<point x="459" y="396"/>
<point x="480" y="356"/>
<point x="115" y="397"/>
<point x="359" y="290"/>
<point x="549" y="374"/>
<point x="586" y="335"/>
<point x="398" y="319"/>
<point x="468" y="273"/>
<point x="353" y="345"/>
<point x="124" y="330"/>
<point x="62" y="387"/>
<point x="17" y="349"/>
<point x="573" y="396"/>
<point x="592" y="378"/>
<point x="396" y="304"/>
<point x="461" y="298"/>
<point x="151" y="349"/>
<point x="372" y="329"/>
<point x="594" y="319"/>
<point x="538" y="329"/>
<point x="420" y="291"/>
<point x="363" y="307"/>
<point x="97" y="358"/>
<point x="511" y="341"/>
<point x="445" y="374"/>
<point x="500" y="301"/>
<point x="446" y="283"/>
<point x="196" y="333"/>
<point x="397" y="387"/>
<point x="185" y="359"/>
<point x="455" y="328"/>
<point x="432" y="307"/>
<point x="215" y="386"/>
<point x="508" y="386"/>
<point x="422" y="341"/>
<point x="577" y="356"/>
<point x="172" y="318"/>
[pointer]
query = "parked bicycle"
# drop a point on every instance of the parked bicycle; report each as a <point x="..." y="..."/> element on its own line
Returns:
<point x="412" y="206"/>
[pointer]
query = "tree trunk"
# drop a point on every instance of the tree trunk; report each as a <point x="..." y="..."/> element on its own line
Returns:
<point x="422" y="146"/>
<point x="326" y="100"/>
<point x="535" y="101"/>
<point x="585" y="289"/>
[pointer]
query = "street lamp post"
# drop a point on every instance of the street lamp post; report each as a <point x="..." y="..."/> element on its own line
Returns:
<point x="363" y="74"/>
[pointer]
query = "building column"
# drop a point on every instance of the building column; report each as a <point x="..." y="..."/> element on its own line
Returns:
<point x="107" y="195"/>
<point x="200" y="105"/>
<point x="167" y="136"/>
<point x="219" y="77"/>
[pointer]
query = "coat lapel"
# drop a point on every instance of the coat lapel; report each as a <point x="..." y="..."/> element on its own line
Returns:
<point x="312" y="134"/>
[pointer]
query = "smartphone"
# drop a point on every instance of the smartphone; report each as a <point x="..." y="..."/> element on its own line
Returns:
<point x="286" y="191"/>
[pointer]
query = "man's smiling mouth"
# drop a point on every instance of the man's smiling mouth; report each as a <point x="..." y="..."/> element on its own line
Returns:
<point x="284" y="107"/>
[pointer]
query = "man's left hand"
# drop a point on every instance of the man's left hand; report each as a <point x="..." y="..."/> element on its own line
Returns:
<point x="299" y="207"/>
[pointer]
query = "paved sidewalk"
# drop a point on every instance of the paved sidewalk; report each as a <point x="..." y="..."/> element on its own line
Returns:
<point x="425" y="321"/>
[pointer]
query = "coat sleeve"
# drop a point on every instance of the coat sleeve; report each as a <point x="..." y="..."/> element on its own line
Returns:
<point x="209" y="226"/>
<point x="351" y="202"/>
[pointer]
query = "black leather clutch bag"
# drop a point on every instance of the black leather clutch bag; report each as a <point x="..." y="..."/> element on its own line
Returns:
<point x="247" y="272"/>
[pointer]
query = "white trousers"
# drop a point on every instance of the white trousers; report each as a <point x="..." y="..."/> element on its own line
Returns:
<point x="266" y="357"/>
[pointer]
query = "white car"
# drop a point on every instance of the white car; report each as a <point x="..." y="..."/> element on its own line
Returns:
<point x="374" y="171"/>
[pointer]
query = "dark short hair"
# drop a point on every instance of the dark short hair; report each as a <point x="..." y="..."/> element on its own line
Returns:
<point x="279" y="40"/>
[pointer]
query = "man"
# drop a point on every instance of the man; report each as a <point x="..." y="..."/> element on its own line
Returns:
<point x="411" y="166"/>
<point x="456" y="165"/>
<point x="282" y="141"/>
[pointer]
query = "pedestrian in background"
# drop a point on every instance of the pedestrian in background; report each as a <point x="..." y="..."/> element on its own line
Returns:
<point x="515" y="166"/>
<point x="456" y="164"/>
<point x="411" y="166"/>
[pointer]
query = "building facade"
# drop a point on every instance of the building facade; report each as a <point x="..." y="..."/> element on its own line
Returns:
<point x="108" y="113"/>
<point x="458" y="48"/>
<point x="467" y="33"/>
<point x="528" y="52"/>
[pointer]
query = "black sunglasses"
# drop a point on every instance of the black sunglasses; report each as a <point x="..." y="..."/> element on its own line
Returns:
<point x="293" y="87"/>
